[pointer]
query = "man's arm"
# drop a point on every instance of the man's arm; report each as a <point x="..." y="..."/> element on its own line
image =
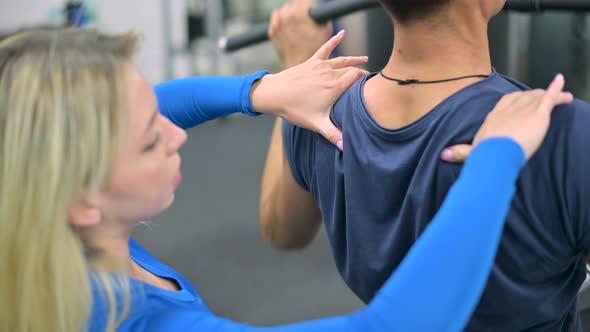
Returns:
<point x="574" y="120"/>
<point x="289" y="216"/>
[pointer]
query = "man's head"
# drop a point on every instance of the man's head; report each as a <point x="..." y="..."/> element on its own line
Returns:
<point x="406" y="11"/>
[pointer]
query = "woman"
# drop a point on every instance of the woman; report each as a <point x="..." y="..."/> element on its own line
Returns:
<point x="85" y="156"/>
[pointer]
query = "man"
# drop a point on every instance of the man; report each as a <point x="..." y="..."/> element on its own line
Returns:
<point x="377" y="195"/>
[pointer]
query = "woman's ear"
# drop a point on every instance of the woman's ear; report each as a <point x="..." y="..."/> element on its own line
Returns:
<point x="85" y="213"/>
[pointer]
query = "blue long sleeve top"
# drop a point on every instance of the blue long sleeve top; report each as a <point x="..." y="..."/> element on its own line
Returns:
<point x="188" y="102"/>
<point x="460" y="243"/>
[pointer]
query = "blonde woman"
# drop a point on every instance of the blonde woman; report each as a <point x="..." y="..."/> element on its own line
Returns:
<point x="85" y="155"/>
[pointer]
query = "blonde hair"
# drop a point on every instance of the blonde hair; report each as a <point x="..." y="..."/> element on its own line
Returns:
<point x="62" y="95"/>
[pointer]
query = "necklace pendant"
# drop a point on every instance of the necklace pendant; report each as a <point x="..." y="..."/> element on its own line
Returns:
<point x="408" y="82"/>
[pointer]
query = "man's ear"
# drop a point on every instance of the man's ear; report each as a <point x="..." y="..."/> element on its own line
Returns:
<point x="85" y="212"/>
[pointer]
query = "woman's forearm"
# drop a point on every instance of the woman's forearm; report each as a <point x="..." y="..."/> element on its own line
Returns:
<point x="188" y="102"/>
<point x="444" y="273"/>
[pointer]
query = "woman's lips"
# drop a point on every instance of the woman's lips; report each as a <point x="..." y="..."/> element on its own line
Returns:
<point x="177" y="180"/>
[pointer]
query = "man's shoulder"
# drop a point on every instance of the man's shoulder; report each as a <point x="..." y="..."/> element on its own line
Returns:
<point x="573" y="119"/>
<point x="576" y="112"/>
<point x="490" y="90"/>
<point x="506" y="82"/>
<point x="354" y="93"/>
<point x="578" y="106"/>
<point x="352" y="98"/>
<point x="485" y="92"/>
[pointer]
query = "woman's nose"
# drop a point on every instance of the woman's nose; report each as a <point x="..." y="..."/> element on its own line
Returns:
<point x="177" y="138"/>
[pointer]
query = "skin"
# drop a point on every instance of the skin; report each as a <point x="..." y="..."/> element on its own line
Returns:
<point x="143" y="180"/>
<point x="289" y="217"/>
<point x="454" y="50"/>
<point x="146" y="172"/>
<point x="289" y="25"/>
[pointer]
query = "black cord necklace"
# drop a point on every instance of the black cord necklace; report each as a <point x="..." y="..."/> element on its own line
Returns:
<point x="415" y="81"/>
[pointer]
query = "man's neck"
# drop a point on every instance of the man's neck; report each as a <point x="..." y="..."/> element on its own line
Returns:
<point x="439" y="51"/>
<point x="428" y="52"/>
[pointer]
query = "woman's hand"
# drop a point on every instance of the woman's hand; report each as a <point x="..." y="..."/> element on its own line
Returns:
<point x="304" y="94"/>
<point x="522" y="116"/>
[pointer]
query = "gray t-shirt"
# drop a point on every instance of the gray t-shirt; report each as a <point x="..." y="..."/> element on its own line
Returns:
<point x="378" y="195"/>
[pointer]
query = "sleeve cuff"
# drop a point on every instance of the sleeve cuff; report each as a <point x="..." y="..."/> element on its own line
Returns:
<point x="498" y="153"/>
<point x="247" y="107"/>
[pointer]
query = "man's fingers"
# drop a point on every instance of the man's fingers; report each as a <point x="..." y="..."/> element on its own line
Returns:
<point x="456" y="153"/>
<point x="303" y="8"/>
<point x="347" y="61"/>
<point x="288" y="13"/>
<point x="324" y="52"/>
<point x="303" y="3"/>
<point x="329" y="25"/>
<point x="274" y="23"/>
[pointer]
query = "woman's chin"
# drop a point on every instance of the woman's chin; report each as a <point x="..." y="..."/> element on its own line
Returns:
<point x="163" y="207"/>
<point x="170" y="202"/>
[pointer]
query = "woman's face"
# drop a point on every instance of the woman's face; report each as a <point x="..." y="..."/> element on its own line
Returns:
<point x="146" y="171"/>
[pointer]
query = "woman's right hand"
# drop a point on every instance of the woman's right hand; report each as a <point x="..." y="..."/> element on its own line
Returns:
<point x="304" y="94"/>
<point x="522" y="116"/>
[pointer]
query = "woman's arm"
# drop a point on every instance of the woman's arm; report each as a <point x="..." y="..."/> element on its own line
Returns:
<point x="188" y="102"/>
<point x="302" y="95"/>
<point x="457" y="248"/>
<point x="442" y="276"/>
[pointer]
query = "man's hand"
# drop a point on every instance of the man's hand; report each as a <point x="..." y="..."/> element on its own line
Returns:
<point x="303" y="94"/>
<point x="295" y="36"/>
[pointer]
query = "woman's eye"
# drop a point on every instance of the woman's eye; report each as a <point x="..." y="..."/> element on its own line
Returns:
<point x="152" y="145"/>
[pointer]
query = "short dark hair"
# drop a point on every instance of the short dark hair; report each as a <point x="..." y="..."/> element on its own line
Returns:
<point x="408" y="10"/>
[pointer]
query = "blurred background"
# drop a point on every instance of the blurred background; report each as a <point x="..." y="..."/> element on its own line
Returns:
<point x="211" y="233"/>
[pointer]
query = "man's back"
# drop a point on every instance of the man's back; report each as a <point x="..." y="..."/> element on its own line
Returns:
<point x="378" y="195"/>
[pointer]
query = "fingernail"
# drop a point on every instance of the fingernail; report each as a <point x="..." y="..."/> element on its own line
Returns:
<point x="341" y="31"/>
<point x="340" y="145"/>
<point x="559" y="77"/>
<point x="447" y="155"/>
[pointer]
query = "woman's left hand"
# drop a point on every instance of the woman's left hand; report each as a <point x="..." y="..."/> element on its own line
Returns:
<point x="304" y="94"/>
<point x="522" y="116"/>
